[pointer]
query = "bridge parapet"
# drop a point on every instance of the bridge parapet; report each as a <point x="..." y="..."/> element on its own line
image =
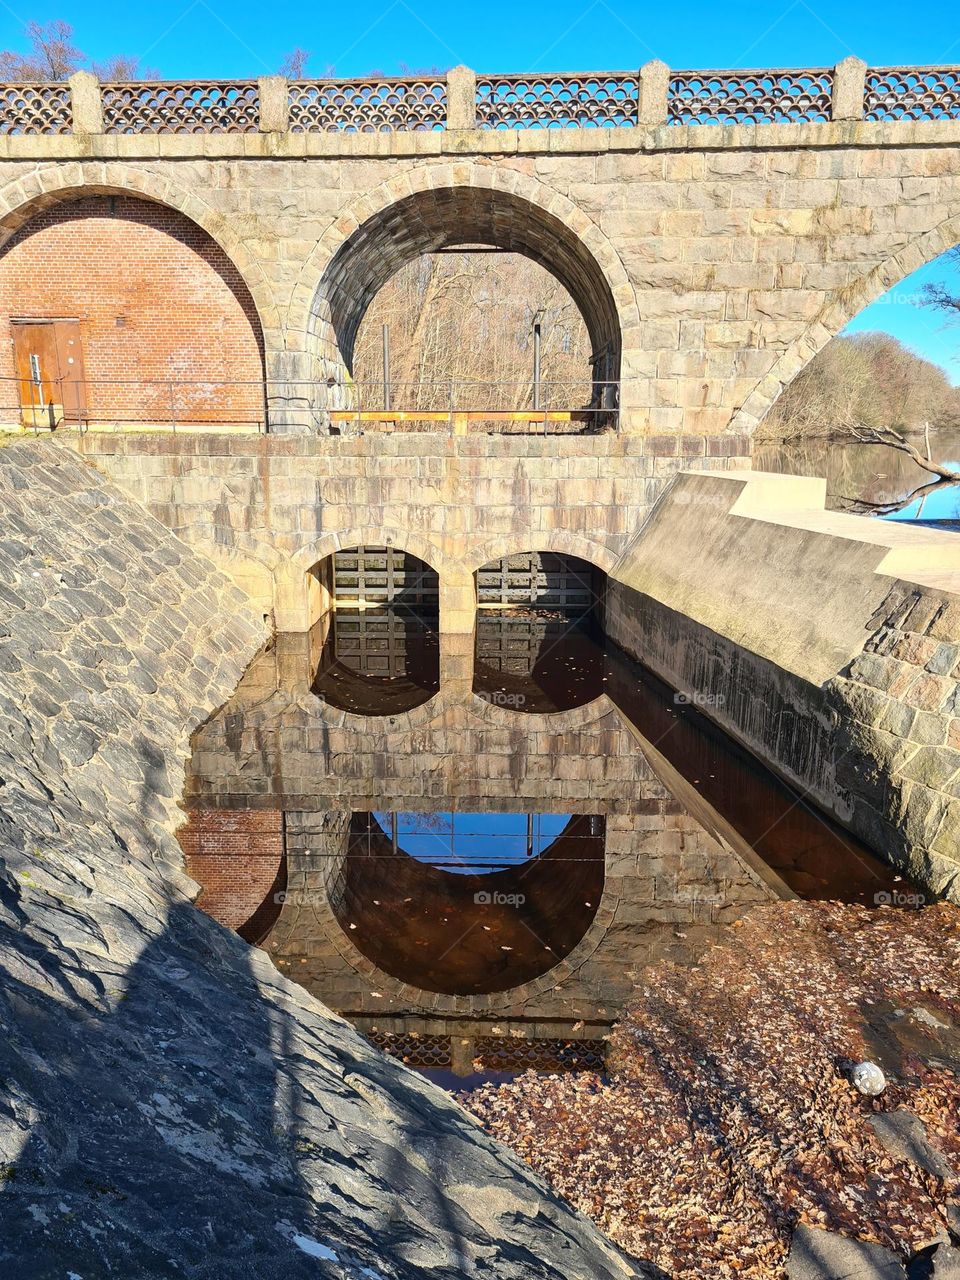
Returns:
<point x="461" y="100"/>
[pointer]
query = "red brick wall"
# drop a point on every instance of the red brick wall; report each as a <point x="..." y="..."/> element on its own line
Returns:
<point x="237" y="856"/>
<point x="156" y="299"/>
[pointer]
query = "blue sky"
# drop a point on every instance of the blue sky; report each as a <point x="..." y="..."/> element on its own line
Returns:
<point x="928" y="332"/>
<point x="199" y="38"/>
<point x="216" y="39"/>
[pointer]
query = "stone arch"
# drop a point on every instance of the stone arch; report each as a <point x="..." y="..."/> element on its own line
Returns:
<point x="27" y="195"/>
<point x="437" y="206"/>
<point x="558" y="541"/>
<point x="413" y="543"/>
<point x="927" y="246"/>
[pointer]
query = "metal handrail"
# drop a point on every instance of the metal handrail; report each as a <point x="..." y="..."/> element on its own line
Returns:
<point x="313" y="402"/>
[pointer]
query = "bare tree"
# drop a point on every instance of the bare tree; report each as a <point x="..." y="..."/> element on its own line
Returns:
<point x="122" y="67"/>
<point x="461" y="325"/>
<point x="939" y="296"/>
<point x="868" y="381"/>
<point x="294" y="63"/>
<point x="51" y="56"/>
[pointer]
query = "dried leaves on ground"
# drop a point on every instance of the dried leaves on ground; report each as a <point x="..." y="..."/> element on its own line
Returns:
<point x="726" y="1116"/>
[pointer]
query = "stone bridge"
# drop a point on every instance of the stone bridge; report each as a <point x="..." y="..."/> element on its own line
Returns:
<point x="715" y="228"/>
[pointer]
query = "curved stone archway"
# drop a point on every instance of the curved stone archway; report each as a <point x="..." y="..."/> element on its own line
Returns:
<point x="858" y="296"/>
<point x="434" y="207"/>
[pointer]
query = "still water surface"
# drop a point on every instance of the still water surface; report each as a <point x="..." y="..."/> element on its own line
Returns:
<point x="486" y="839"/>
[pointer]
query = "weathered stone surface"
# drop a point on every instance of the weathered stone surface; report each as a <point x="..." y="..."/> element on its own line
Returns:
<point x="821" y="1255"/>
<point x="171" y="1104"/>
<point x="820" y="671"/>
<point x="905" y="1136"/>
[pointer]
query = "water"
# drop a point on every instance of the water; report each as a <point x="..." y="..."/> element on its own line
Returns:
<point x="483" y="840"/>
<point x="875" y="474"/>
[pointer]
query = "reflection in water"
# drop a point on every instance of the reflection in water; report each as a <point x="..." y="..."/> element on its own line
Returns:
<point x="379" y="661"/>
<point x="464" y="932"/>
<point x="872" y="474"/>
<point x="538" y="660"/>
<point x="472" y="843"/>
<point x="493" y="882"/>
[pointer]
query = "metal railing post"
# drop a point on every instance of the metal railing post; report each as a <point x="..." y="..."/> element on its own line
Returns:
<point x="386" y="367"/>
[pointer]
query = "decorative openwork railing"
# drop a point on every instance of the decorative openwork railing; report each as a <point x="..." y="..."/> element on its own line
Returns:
<point x="652" y="96"/>
<point x="749" y="97"/>
<point x="175" y="107"/>
<point x="560" y="101"/>
<point x="912" y="93"/>
<point x="367" y="106"/>
<point x="35" y="108"/>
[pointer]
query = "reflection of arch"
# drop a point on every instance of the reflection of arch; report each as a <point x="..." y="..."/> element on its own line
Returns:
<point x="836" y="314"/>
<point x="437" y="206"/>
<point x="483" y="944"/>
<point x="21" y="198"/>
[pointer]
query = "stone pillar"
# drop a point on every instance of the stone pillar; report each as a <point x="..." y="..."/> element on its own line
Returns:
<point x="85" y="103"/>
<point x="849" y="84"/>
<point x="461" y="98"/>
<point x="458" y="605"/>
<point x="274" y="104"/>
<point x="462" y="1052"/>
<point x="654" y="83"/>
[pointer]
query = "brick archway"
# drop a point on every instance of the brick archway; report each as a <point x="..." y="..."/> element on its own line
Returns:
<point x="161" y="325"/>
<point x="21" y="199"/>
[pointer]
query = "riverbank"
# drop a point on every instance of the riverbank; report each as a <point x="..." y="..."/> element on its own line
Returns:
<point x="727" y="1119"/>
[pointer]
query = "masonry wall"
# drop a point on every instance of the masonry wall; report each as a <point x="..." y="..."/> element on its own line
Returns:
<point x="269" y="509"/>
<point x="731" y="254"/>
<point x="800" y="641"/>
<point x="160" y="305"/>
<point x="237" y="857"/>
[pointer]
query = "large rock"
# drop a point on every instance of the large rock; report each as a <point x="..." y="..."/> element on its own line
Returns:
<point x="822" y="1255"/>
<point x="171" y="1105"/>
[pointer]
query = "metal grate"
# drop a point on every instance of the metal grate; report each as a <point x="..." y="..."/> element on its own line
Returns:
<point x="750" y="97"/>
<point x="374" y="645"/>
<point x="35" y="109"/>
<point x="513" y="1053"/>
<point x="414" y="1049"/>
<point x="204" y="106"/>
<point x="384" y="575"/>
<point x="912" y="93"/>
<point x="605" y="100"/>
<point x="540" y="578"/>
<point x="367" y="106"/>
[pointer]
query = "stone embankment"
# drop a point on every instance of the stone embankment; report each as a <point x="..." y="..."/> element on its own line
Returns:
<point x="171" y="1105"/>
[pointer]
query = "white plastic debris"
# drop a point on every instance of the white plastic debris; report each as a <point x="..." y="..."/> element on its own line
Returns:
<point x="868" y="1078"/>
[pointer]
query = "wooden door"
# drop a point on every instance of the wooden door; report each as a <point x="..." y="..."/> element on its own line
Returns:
<point x="49" y="365"/>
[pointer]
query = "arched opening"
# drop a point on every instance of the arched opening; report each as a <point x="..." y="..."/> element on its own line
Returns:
<point x="466" y="904"/>
<point x="477" y="328"/>
<point x="434" y="222"/>
<point x="539" y="636"/>
<point x="122" y="311"/>
<point x="380" y="651"/>
<point x="885" y="388"/>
